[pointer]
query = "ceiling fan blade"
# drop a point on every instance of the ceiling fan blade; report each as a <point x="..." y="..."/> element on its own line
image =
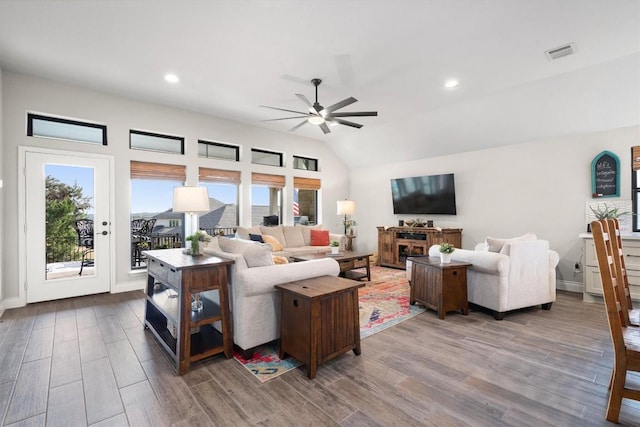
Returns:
<point x="339" y="105"/>
<point x="348" y="123"/>
<point x="284" y="109"/>
<point x="284" y="118"/>
<point x="302" y="123"/>
<point x="354" y="114"/>
<point x="325" y="128"/>
<point x="305" y="100"/>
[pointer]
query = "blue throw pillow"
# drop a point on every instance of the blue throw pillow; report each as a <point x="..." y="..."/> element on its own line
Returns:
<point x="256" y="237"/>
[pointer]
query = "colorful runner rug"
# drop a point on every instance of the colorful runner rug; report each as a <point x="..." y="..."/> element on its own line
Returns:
<point x="384" y="302"/>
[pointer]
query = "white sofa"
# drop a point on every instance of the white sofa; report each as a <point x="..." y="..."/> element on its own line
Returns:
<point x="295" y="240"/>
<point x="522" y="273"/>
<point x="255" y="303"/>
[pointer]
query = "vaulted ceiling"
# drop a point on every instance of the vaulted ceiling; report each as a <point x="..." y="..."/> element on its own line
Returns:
<point x="394" y="56"/>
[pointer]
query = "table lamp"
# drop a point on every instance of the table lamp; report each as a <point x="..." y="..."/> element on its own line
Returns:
<point x="191" y="200"/>
<point x="346" y="207"/>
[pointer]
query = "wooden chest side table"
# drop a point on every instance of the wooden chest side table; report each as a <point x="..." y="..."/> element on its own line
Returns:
<point x="319" y="320"/>
<point x="440" y="287"/>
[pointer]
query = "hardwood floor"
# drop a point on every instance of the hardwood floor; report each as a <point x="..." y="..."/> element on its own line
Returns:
<point x="88" y="361"/>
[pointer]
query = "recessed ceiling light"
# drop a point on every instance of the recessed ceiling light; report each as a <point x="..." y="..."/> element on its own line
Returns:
<point x="171" y="78"/>
<point x="449" y="84"/>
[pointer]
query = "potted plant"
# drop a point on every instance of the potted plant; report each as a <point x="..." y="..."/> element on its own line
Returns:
<point x="606" y="212"/>
<point x="335" y="246"/>
<point x="195" y="239"/>
<point x="446" y="249"/>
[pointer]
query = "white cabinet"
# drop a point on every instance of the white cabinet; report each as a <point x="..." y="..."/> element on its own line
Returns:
<point x="592" y="283"/>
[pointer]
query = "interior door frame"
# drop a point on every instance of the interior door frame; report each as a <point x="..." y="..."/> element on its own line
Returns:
<point x="22" y="216"/>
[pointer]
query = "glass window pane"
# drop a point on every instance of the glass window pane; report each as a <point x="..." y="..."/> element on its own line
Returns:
<point x="223" y="217"/>
<point x="69" y="211"/>
<point x="152" y="142"/>
<point x="52" y="127"/>
<point x="154" y="225"/>
<point x="265" y="202"/>
<point x="305" y="163"/>
<point x="261" y="157"/>
<point x="218" y="151"/>
<point x="305" y="206"/>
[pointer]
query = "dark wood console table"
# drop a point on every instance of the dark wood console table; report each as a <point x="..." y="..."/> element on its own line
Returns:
<point x="395" y="244"/>
<point x="173" y="279"/>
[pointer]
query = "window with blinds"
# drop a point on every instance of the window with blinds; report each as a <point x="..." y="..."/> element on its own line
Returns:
<point x="222" y="186"/>
<point x="153" y="223"/>
<point x="305" y="200"/>
<point x="266" y="198"/>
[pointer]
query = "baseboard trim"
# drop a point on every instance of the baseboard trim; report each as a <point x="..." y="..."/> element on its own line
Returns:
<point x="565" y="285"/>
<point x="129" y="286"/>
<point x="12" y="303"/>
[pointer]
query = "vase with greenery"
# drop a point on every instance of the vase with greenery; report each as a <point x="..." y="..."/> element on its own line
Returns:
<point x="195" y="239"/>
<point x="335" y="246"/>
<point x="446" y="249"/>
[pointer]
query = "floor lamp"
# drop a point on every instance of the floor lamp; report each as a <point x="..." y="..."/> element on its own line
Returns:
<point x="346" y="207"/>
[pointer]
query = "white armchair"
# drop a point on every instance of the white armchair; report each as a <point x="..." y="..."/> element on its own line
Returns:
<point x="522" y="274"/>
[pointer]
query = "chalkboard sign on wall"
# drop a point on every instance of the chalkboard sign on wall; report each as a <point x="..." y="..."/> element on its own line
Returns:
<point x="605" y="175"/>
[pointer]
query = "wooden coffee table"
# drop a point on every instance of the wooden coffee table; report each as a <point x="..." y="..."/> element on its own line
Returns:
<point x="319" y="320"/>
<point x="348" y="261"/>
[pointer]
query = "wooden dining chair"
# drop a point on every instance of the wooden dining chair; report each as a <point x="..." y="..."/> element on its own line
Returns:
<point x="632" y="315"/>
<point x="626" y="340"/>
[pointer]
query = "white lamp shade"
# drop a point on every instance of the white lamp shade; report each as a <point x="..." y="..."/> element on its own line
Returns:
<point x="190" y="199"/>
<point x="346" y="207"/>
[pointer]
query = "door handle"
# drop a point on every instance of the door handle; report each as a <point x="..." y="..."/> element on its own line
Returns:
<point x="104" y="233"/>
<point x="104" y="223"/>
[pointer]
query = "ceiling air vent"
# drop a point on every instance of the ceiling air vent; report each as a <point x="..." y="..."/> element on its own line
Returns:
<point x="562" y="51"/>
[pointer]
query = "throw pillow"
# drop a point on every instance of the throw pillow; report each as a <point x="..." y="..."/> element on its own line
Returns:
<point x="275" y="244"/>
<point x="258" y="255"/>
<point x="293" y="236"/>
<point x="256" y="238"/>
<point x="319" y="237"/>
<point x="275" y="232"/>
<point x="493" y="244"/>
<point x="280" y="259"/>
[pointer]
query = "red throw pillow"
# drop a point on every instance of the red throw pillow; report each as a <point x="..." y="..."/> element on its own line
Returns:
<point x="319" y="237"/>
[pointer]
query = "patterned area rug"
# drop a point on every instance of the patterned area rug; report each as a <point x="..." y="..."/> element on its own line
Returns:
<point x="384" y="302"/>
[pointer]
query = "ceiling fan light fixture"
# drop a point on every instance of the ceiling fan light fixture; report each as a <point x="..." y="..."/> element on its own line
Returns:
<point x="316" y="120"/>
<point x="450" y="84"/>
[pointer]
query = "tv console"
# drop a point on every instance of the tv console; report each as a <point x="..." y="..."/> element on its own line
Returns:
<point x="395" y="244"/>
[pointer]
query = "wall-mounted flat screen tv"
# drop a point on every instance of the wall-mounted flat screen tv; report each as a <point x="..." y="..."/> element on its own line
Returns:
<point x="434" y="194"/>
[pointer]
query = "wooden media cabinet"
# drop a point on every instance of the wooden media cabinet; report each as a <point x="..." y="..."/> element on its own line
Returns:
<point x="395" y="244"/>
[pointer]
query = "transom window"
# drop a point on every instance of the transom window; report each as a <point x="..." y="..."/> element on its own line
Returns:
<point x="263" y="157"/>
<point x="305" y="163"/>
<point x="140" y="140"/>
<point x="217" y="150"/>
<point x="67" y="129"/>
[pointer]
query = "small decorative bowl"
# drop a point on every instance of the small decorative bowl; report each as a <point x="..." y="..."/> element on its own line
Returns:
<point x="409" y="222"/>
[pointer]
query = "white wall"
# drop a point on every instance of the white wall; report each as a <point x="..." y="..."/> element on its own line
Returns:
<point x="24" y="93"/>
<point x="2" y="180"/>
<point x="540" y="186"/>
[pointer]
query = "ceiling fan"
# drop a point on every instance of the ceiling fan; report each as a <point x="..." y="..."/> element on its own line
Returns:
<point x="319" y="115"/>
